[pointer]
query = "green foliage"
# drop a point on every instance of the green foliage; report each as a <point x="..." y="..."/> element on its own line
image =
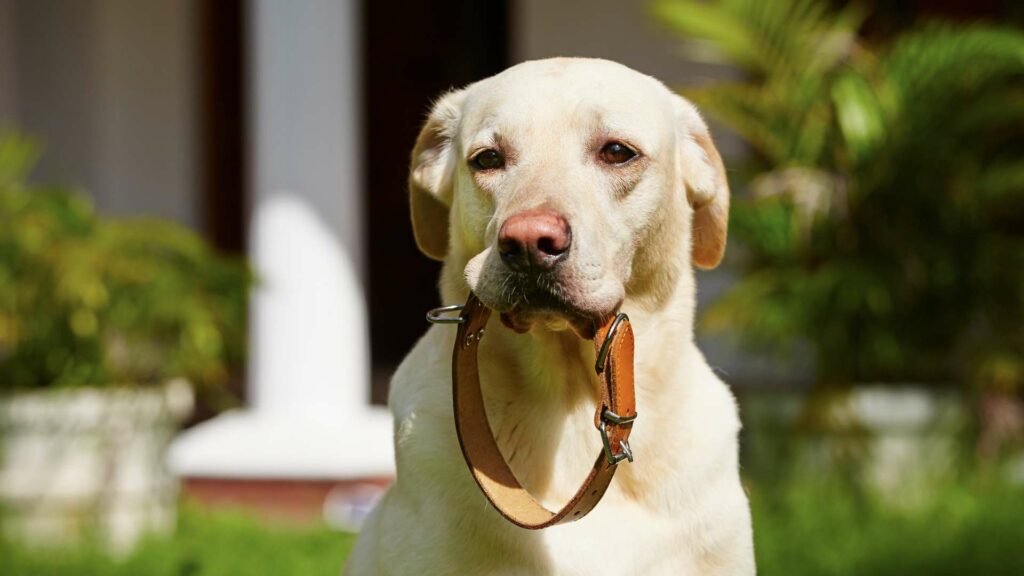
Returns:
<point x="205" y="544"/>
<point x="87" y="300"/>
<point x="885" y="226"/>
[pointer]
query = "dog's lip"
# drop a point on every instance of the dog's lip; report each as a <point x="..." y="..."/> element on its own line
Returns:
<point x="527" y="299"/>
<point x="584" y="322"/>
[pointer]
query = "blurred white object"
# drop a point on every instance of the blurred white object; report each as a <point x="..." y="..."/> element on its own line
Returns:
<point x="309" y="370"/>
<point x="347" y="508"/>
<point x="899" y="439"/>
<point x="74" y="461"/>
<point x="914" y="433"/>
<point x="309" y="378"/>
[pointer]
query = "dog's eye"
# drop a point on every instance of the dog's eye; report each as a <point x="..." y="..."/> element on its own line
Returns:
<point x="617" y="153"/>
<point x="487" y="160"/>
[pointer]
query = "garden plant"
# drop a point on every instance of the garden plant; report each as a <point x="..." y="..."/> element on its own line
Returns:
<point x="880" y="218"/>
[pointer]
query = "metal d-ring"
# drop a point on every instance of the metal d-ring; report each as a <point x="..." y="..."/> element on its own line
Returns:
<point x="440" y="315"/>
<point x="614" y="459"/>
<point x="609" y="417"/>
<point x="602" y="354"/>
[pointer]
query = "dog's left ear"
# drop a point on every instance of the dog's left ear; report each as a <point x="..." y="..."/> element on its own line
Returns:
<point x="707" y="189"/>
<point x="430" y="176"/>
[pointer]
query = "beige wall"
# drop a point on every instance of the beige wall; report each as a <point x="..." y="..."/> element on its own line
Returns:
<point x="620" y="30"/>
<point x="6" y="63"/>
<point x="109" y="86"/>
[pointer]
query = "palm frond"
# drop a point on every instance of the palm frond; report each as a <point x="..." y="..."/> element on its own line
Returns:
<point x="783" y="37"/>
<point x="751" y="112"/>
<point x="937" y="70"/>
<point x="939" y="59"/>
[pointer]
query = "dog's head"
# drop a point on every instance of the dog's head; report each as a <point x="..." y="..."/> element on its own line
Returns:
<point x="561" y="187"/>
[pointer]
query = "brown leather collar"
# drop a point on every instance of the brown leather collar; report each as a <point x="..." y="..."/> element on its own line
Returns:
<point x="613" y="345"/>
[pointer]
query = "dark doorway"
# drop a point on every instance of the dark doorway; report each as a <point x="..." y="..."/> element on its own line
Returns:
<point x="413" y="50"/>
<point x="221" y="63"/>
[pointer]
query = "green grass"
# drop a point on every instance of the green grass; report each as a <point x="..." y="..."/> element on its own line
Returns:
<point x="830" y="529"/>
<point x="823" y="528"/>
<point x="205" y="544"/>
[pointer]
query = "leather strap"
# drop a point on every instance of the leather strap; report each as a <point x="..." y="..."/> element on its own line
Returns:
<point x="489" y="468"/>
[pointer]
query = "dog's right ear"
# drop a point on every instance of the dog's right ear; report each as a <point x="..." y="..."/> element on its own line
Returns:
<point x="431" y="176"/>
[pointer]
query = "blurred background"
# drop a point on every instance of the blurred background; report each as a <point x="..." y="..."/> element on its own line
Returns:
<point x="207" y="276"/>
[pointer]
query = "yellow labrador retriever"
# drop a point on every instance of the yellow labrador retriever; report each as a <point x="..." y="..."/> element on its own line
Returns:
<point x="561" y="191"/>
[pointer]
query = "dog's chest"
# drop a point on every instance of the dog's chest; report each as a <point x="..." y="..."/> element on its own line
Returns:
<point x="615" y="540"/>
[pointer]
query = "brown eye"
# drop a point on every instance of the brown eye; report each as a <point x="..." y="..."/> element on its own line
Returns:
<point x="487" y="160"/>
<point x="617" y="153"/>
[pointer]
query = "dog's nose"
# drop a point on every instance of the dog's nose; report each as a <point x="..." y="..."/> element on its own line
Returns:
<point x="534" y="240"/>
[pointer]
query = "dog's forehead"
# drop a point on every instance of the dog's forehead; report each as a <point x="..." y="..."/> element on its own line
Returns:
<point x="582" y="92"/>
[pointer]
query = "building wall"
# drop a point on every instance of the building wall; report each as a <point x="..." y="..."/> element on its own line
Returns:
<point x="109" y="87"/>
<point x="7" y="95"/>
<point x="619" y="31"/>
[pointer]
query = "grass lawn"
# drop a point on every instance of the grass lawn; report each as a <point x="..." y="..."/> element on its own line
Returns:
<point x="205" y="544"/>
<point x="820" y="529"/>
<point x="831" y="530"/>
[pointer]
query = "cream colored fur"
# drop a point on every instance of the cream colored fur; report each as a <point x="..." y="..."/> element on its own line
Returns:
<point x="679" y="508"/>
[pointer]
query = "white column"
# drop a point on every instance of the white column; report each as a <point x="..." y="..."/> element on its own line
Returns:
<point x="309" y="360"/>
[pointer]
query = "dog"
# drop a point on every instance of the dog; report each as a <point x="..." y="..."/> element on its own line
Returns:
<point x="559" y="192"/>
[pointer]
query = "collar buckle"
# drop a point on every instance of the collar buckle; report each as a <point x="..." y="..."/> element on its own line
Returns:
<point x="625" y="453"/>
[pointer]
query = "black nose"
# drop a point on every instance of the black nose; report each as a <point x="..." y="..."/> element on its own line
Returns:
<point x="534" y="240"/>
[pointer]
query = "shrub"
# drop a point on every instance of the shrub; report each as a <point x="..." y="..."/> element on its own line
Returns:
<point x="882" y="223"/>
<point x="89" y="300"/>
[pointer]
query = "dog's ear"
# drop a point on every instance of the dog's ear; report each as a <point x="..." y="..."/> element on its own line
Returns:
<point x="707" y="189"/>
<point x="430" y="176"/>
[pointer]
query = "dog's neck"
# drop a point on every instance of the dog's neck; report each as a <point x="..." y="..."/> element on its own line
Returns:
<point x="541" y="389"/>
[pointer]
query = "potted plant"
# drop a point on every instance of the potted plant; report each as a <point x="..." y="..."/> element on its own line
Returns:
<point x="881" y="216"/>
<point x="102" y="321"/>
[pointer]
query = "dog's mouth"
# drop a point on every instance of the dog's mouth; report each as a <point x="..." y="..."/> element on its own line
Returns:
<point x="532" y="302"/>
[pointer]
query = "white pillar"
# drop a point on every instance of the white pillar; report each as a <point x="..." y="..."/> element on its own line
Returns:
<point x="310" y="416"/>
